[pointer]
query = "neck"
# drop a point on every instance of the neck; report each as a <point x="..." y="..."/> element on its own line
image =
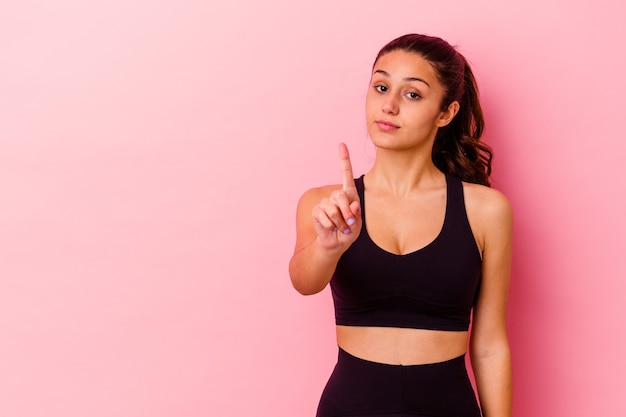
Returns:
<point x="401" y="172"/>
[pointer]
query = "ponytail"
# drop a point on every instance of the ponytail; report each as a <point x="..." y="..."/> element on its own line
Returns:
<point x="458" y="150"/>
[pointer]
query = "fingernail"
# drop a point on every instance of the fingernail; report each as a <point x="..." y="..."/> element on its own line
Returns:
<point x="346" y="231"/>
<point x="335" y="229"/>
<point x="351" y="221"/>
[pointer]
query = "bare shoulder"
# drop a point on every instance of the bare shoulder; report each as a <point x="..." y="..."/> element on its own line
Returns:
<point x="314" y="195"/>
<point x="488" y="211"/>
<point x="485" y="201"/>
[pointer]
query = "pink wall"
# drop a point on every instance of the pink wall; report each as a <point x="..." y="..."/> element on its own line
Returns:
<point x="152" y="153"/>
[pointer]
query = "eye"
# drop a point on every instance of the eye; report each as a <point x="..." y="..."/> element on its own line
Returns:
<point x="413" y="95"/>
<point x="380" y="88"/>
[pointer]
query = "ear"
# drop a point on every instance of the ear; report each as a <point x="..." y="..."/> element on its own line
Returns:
<point x="446" y="116"/>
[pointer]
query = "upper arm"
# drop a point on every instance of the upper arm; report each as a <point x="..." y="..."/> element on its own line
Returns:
<point x="492" y="222"/>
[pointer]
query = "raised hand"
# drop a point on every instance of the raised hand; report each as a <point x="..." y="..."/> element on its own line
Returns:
<point x="337" y="218"/>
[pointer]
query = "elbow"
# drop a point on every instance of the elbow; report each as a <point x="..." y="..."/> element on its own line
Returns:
<point x="495" y="348"/>
<point x="305" y="288"/>
<point x="303" y="284"/>
<point x="303" y="280"/>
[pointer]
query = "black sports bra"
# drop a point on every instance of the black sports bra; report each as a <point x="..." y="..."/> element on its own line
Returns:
<point x="432" y="288"/>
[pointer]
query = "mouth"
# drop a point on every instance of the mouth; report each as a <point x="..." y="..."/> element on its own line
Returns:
<point x="385" y="125"/>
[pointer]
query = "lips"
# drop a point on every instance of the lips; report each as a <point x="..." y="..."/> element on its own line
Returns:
<point x="385" y="125"/>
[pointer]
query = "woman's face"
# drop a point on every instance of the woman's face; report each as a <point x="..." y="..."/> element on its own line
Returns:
<point x="403" y="104"/>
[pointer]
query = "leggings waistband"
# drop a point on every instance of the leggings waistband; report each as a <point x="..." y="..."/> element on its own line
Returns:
<point x="345" y="355"/>
<point x="360" y="387"/>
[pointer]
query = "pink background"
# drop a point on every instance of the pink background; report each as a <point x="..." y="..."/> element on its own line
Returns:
<point x="152" y="154"/>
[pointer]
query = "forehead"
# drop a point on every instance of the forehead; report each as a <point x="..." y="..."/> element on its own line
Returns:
<point x="402" y="64"/>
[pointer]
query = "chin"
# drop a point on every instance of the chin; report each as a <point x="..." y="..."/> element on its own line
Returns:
<point x="388" y="143"/>
<point x="391" y="143"/>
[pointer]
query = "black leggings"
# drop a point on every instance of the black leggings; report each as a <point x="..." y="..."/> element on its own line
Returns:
<point x="362" y="388"/>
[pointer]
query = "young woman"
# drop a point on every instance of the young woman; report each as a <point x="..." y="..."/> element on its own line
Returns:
<point x="413" y="247"/>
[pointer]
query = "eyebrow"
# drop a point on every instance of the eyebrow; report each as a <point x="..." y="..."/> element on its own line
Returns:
<point x="386" y="74"/>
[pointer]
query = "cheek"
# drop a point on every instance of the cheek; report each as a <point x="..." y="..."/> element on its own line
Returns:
<point x="424" y="115"/>
<point x="370" y="105"/>
<point x="374" y="100"/>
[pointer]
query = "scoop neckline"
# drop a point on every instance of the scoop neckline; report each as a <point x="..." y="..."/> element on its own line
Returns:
<point x="414" y="252"/>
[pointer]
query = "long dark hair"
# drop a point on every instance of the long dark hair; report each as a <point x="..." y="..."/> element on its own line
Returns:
<point x="457" y="150"/>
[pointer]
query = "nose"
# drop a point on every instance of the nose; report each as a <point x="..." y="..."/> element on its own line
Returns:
<point x="390" y="105"/>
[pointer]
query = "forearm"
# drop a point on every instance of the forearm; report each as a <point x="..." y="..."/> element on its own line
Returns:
<point x="492" y="371"/>
<point x="312" y="267"/>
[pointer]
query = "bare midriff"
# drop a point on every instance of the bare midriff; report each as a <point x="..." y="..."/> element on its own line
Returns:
<point x="400" y="346"/>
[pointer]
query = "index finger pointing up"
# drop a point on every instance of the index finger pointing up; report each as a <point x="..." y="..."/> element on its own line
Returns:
<point x="346" y="171"/>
